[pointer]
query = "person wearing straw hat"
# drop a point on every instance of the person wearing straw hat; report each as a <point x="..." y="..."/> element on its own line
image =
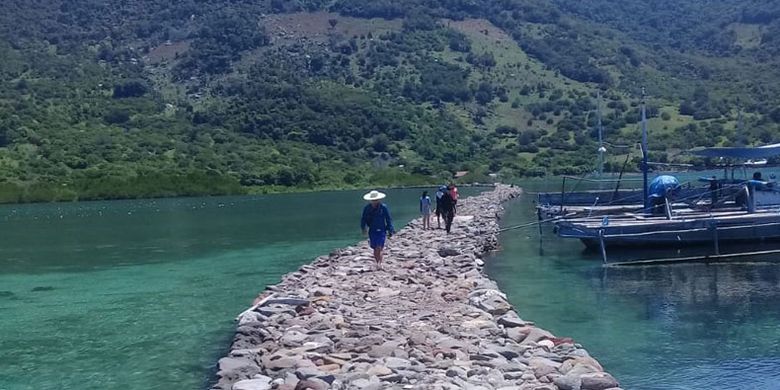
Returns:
<point x="377" y="223"/>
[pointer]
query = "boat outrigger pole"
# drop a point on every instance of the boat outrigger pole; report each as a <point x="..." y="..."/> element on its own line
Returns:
<point x="602" y="149"/>
<point x="644" y="152"/>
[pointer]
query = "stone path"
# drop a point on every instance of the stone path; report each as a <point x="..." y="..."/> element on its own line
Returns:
<point x="429" y="320"/>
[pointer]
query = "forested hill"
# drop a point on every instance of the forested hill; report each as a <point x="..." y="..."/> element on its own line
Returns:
<point x="112" y="99"/>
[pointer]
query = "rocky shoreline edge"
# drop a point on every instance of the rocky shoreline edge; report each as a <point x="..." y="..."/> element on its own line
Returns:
<point x="429" y="320"/>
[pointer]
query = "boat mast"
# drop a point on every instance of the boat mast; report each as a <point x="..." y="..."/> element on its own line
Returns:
<point x="644" y="151"/>
<point x="601" y="139"/>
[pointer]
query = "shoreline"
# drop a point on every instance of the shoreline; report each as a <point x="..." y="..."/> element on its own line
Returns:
<point x="252" y="191"/>
<point x="430" y="320"/>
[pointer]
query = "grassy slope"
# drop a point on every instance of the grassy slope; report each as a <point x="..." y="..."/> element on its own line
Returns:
<point x="167" y="146"/>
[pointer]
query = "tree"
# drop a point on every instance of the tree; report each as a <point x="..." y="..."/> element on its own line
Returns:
<point x="130" y="88"/>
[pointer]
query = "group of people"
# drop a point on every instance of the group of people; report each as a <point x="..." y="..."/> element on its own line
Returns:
<point x="446" y="207"/>
<point x="377" y="223"/>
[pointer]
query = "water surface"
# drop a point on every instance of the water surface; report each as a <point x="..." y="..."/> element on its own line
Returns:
<point x="692" y="326"/>
<point x="142" y="294"/>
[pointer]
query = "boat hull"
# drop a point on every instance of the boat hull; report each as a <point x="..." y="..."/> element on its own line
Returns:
<point x="676" y="233"/>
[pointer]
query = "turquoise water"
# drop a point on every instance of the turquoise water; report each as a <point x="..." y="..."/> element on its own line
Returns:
<point x="693" y="326"/>
<point x="142" y="294"/>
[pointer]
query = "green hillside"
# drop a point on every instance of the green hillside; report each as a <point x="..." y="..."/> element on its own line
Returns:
<point x="106" y="99"/>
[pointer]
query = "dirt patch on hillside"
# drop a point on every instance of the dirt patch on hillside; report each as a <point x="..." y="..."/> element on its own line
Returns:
<point x="317" y="26"/>
<point x="167" y="51"/>
<point x="480" y="26"/>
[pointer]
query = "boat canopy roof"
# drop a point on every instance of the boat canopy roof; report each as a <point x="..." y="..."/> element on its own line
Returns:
<point x="765" y="151"/>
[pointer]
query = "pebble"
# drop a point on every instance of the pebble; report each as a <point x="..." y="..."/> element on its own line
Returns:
<point x="429" y="319"/>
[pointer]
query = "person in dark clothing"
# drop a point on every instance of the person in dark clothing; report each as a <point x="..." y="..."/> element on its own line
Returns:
<point x="439" y="194"/>
<point x="714" y="193"/>
<point x="447" y="209"/>
<point x="377" y="223"/>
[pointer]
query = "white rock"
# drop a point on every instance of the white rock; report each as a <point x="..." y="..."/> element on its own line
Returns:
<point x="252" y="384"/>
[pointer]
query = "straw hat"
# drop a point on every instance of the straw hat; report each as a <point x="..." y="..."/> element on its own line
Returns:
<point x="374" y="195"/>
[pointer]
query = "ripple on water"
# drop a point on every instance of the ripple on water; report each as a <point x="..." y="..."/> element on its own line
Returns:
<point x="693" y="326"/>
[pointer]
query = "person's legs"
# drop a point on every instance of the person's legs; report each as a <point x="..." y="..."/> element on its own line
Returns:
<point x="438" y="219"/>
<point x="378" y="256"/>
<point x="377" y="242"/>
<point x="448" y="220"/>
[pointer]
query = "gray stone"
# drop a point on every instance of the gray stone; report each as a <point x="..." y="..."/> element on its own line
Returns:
<point x="392" y="378"/>
<point x="535" y="335"/>
<point x="290" y="301"/>
<point x="518" y="334"/>
<point x="511" y="320"/>
<point x="580" y="369"/>
<point x="456" y="372"/>
<point x="237" y="368"/>
<point x="384" y="292"/>
<point x="543" y="366"/>
<point x="323" y="291"/>
<point x="598" y="381"/>
<point x="252" y="384"/>
<point x="380" y="351"/>
<point x="588" y="361"/>
<point x="270" y="311"/>
<point x="446" y="251"/>
<point x="397" y="363"/>
<point x="293" y="338"/>
<point x="379" y="371"/>
<point x="507" y="353"/>
<point x="568" y="382"/>
<point x="514" y="375"/>
<point x="250" y="317"/>
<point x="281" y="363"/>
<point x="308" y="372"/>
<point x="312" y="384"/>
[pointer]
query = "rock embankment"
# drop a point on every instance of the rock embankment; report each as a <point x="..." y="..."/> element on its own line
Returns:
<point x="429" y="320"/>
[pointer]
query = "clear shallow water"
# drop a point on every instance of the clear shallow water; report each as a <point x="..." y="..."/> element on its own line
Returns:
<point x="142" y="294"/>
<point x="692" y="326"/>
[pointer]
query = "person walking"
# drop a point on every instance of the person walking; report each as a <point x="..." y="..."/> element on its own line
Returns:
<point x="439" y="194"/>
<point x="425" y="210"/>
<point x="376" y="223"/>
<point x="454" y="195"/>
<point x="447" y="209"/>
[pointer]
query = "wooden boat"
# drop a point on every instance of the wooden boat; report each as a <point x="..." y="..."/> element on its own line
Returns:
<point x="688" y="228"/>
<point x="751" y="212"/>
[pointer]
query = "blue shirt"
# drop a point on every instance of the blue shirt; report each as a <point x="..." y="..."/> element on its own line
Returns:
<point x="377" y="219"/>
<point x="425" y="205"/>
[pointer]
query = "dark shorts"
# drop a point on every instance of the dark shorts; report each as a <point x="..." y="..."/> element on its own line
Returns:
<point x="376" y="239"/>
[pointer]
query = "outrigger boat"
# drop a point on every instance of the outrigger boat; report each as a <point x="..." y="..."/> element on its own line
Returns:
<point x="749" y="214"/>
<point x="572" y="204"/>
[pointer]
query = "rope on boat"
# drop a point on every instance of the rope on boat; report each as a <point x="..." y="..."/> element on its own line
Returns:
<point x="530" y="224"/>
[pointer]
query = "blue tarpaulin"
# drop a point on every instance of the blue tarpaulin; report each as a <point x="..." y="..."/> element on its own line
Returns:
<point x="662" y="185"/>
